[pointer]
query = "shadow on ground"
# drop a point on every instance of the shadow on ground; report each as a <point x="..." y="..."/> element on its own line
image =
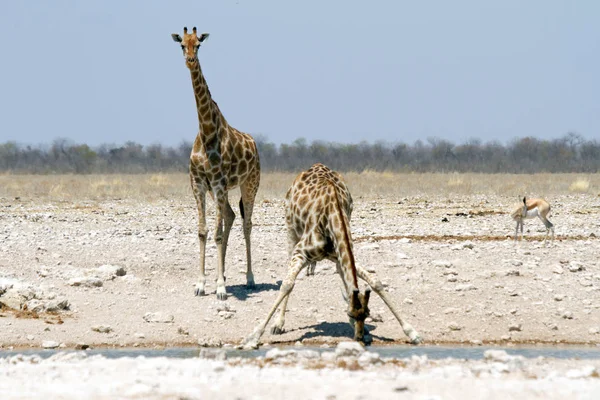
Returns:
<point x="337" y="330"/>
<point x="241" y="292"/>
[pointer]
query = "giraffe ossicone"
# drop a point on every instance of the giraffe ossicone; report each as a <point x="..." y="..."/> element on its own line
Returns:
<point x="222" y="159"/>
<point x="318" y="210"/>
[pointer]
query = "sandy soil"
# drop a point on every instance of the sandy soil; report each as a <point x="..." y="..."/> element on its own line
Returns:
<point x="462" y="280"/>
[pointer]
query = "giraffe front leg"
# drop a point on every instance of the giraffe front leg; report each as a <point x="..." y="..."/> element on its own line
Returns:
<point x="200" y="196"/>
<point x="220" y="200"/>
<point x="277" y="328"/>
<point x="298" y="262"/>
<point x="377" y="286"/>
<point x="248" y="191"/>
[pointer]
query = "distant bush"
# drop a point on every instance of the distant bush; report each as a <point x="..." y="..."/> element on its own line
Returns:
<point x="571" y="153"/>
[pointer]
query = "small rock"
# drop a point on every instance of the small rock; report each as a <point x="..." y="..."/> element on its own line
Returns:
<point x="453" y="326"/>
<point x="210" y="342"/>
<point x="465" y="287"/>
<point x="585" y="372"/>
<point x="450" y="271"/>
<point x="81" y="346"/>
<point x="213" y="354"/>
<point x="349" y="349"/>
<point x="515" y="328"/>
<point x="30" y="337"/>
<point x="516" y="263"/>
<point x="567" y="315"/>
<point x="308" y="354"/>
<point x="575" y="266"/>
<point x="369" y="358"/>
<point x="102" y="328"/>
<point x="276" y="353"/>
<point x="497" y="355"/>
<point x="226" y="314"/>
<point x="559" y="297"/>
<point x="558" y="270"/>
<point x="553" y="326"/>
<point x="86" y="281"/>
<point x="442" y="263"/>
<point x="57" y="305"/>
<point x="223" y="307"/>
<point x="594" y="331"/>
<point x="107" y="272"/>
<point x="15" y="298"/>
<point x="50" y="344"/>
<point x="512" y="272"/>
<point x="586" y="283"/>
<point x="375" y="317"/>
<point x="407" y="301"/>
<point x="404" y="240"/>
<point x="139" y="335"/>
<point x="158" y="317"/>
<point x="401" y="256"/>
<point x="183" y="331"/>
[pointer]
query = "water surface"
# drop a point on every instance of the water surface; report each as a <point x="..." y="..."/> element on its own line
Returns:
<point x="432" y="352"/>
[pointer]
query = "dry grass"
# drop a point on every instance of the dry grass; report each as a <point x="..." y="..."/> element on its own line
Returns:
<point x="581" y="185"/>
<point x="368" y="184"/>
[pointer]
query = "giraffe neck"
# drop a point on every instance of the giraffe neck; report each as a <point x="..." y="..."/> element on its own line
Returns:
<point x="343" y="241"/>
<point x="209" y="116"/>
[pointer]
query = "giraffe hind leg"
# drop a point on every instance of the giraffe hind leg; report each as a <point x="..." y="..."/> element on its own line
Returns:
<point x="248" y="191"/>
<point x="277" y="328"/>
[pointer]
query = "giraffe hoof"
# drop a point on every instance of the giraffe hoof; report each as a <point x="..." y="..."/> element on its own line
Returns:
<point x="416" y="339"/>
<point x="251" y="345"/>
<point x="199" y="292"/>
<point x="222" y="296"/>
<point x="276" y="330"/>
<point x="251" y="285"/>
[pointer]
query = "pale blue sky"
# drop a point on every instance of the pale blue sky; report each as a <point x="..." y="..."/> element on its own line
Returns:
<point x="344" y="71"/>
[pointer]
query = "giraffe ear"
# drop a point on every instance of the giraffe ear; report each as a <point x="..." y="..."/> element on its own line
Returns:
<point x="176" y="37"/>
<point x="203" y="37"/>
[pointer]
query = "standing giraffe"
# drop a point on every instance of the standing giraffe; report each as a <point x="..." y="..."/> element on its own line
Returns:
<point x="318" y="221"/>
<point x="222" y="159"/>
<point x="532" y="208"/>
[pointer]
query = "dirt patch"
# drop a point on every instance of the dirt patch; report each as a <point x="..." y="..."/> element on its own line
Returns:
<point x="483" y="238"/>
<point x="489" y="291"/>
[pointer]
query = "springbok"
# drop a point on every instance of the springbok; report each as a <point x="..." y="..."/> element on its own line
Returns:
<point x="530" y="209"/>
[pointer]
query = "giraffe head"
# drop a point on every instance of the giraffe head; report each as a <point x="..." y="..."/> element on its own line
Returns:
<point x="358" y="310"/>
<point x="190" y="43"/>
